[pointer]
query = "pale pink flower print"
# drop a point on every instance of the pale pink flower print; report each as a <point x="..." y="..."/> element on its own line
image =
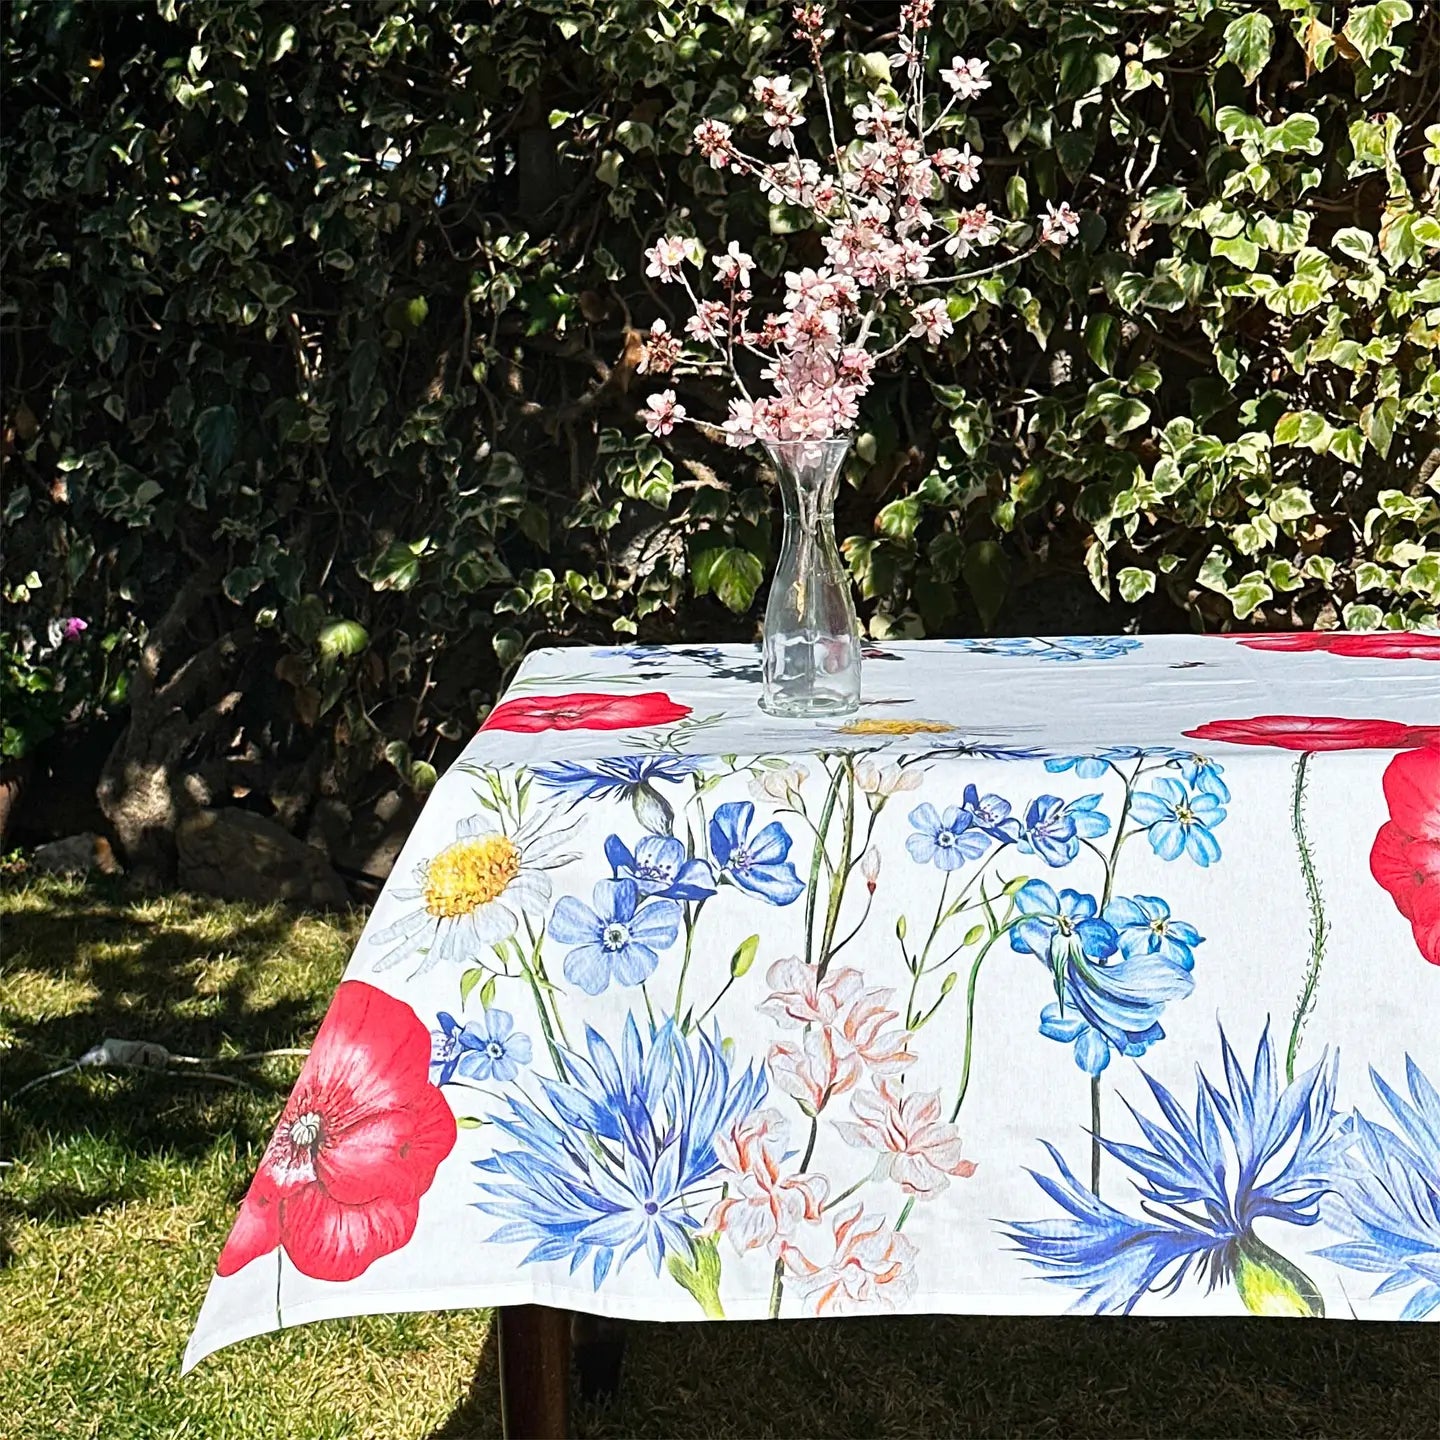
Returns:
<point x="861" y="1038"/>
<point x="811" y="1072"/>
<point x="798" y="997"/>
<point x="918" y="1150"/>
<point x="863" y="1265"/>
<point x="764" y="1207"/>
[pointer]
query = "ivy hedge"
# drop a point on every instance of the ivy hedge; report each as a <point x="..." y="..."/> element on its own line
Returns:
<point x="322" y="319"/>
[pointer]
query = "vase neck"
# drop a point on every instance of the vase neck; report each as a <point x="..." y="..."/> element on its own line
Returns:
<point x="809" y="473"/>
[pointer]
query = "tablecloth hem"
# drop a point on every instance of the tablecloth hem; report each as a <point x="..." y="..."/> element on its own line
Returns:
<point x="489" y="1297"/>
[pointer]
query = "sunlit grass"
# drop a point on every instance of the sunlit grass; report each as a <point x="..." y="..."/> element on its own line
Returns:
<point x="123" y="1187"/>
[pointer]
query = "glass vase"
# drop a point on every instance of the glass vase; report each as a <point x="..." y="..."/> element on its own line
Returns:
<point x="811" y="658"/>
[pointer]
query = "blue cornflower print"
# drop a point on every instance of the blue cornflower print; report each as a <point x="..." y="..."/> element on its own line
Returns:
<point x="1053" y="829"/>
<point x="1388" y="1195"/>
<point x="624" y="777"/>
<point x="1179" y="821"/>
<point x="1086" y="767"/>
<point x="946" y="841"/>
<point x="608" y="1170"/>
<point x="1202" y="773"/>
<point x="1105" y="999"/>
<point x="1145" y="927"/>
<point x="755" y="863"/>
<point x="1065" y="649"/>
<point x="1253" y="1150"/>
<point x="660" y="865"/>
<point x="486" y="1049"/>
<point x="1096" y="766"/>
<point x="619" y="939"/>
<point x="991" y="814"/>
<point x="1057" y="928"/>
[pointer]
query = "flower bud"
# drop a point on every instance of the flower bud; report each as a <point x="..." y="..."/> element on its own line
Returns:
<point x="870" y="868"/>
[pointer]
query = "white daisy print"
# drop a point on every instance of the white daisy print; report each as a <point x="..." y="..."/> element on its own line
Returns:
<point x="474" y="892"/>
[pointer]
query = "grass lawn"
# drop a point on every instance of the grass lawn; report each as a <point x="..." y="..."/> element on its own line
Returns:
<point x="123" y="1186"/>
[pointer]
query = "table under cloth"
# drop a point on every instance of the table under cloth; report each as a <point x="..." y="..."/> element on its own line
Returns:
<point x="1095" y="974"/>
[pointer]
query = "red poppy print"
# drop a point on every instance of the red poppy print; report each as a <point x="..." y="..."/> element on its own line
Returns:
<point x="1405" y="858"/>
<point x="530" y="713"/>
<point x="357" y="1146"/>
<point x="1318" y="732"/>
<point x="1379" y="645"/>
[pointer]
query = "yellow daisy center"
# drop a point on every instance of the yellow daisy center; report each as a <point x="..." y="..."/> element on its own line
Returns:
<point x="896" y="727"/>
<point x="469" y="874"/>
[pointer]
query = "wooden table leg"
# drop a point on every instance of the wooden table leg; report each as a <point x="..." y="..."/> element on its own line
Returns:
<point x="534" y="1343"/>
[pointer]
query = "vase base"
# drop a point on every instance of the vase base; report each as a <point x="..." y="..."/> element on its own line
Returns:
<point x="808" y="707"/>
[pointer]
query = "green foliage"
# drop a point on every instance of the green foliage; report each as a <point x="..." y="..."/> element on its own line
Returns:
<point x="349" y="296"/>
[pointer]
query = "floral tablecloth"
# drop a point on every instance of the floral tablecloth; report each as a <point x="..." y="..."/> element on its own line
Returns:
<point x="1092" y="974"/>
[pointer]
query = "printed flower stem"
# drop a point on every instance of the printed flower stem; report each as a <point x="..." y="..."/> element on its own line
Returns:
<point x="1095" y="1134"/>
<point x="279" y="1271"/>
<point x="995" y="934"/>
<point x="904" y="1214"/>
<point x="1319" y="926"/>
<point x="543" y="1013"/>
<point x="841" y="876"/>
<point x="812" y="891"/>
<point x="777" y="1285"/>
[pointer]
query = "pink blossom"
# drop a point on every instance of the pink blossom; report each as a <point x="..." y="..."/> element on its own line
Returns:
<point x="666" y="257"/>
<point x="660" y="352"/>
<point x="73" y="627"/>
<point x="739" y="425"/>
<point x="918" y="1150"/>
<point x="932" y="320"/>
<point x="1059" y="226"/>
<point x="779" y="105"/>
<point x="966" y="78"/>
<point x="976" y="228"/>
<point x="861" y="1265"/>
<point x="661" y="413"/>
<point x="712" y="139"/>
<point x="709" y="322"/>
<point x="960" y="167"/>
<point x="733" y="267"/>
<point x="765" y="1207"/>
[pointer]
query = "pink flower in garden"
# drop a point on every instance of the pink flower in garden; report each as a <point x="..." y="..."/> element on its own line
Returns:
<point x="764" y="1207"/>
<point x="966" y="78"/>
<point x="1059" y="226"/>
<point x="661" y="351"/>
<point x="975" y="229"/>
<point x="73" y="627"/>
<point x="739" y="426"/>
<point x="960" y="167"/>
<point x="662" y="413"/>
<point x="666" y="257"/>
<point x="779" y="105"/>
<point x="918" y="1150"/>
<point x="864" y="1264"/>
<point x="733" y="267"/>
<point x="712" y="140"/>
<point x="932" y="320"/>
<point x="709" y="322"/>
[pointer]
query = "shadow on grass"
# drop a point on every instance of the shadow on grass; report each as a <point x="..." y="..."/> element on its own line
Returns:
<point x="81" y="964"/>
<point x="969" y="1376"/>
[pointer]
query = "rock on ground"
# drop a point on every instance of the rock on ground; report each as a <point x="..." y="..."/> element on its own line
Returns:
<point x="240" y="856"/>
